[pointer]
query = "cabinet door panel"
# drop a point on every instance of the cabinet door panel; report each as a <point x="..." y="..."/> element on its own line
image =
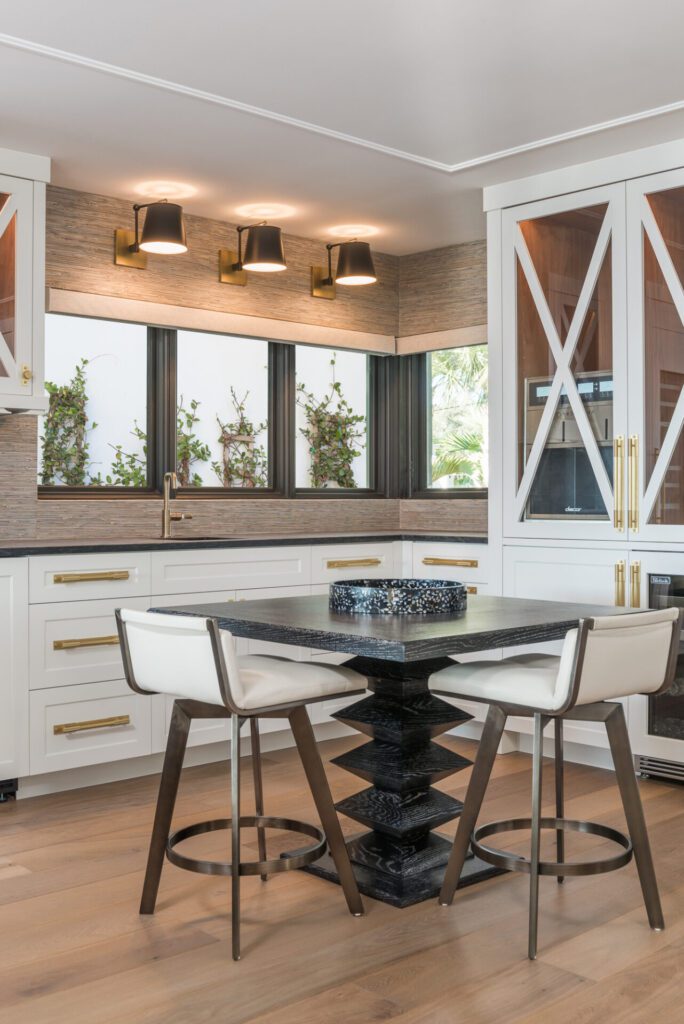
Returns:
<point x="14" y="743"/>
<point x="16" y="287"/>
<point x="563" y="306"/>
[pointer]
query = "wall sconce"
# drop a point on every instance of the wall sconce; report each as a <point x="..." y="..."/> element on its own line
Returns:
<point x="264" y="254"/>
<point x="354" y="267"/>
<point x="163" y="232"/>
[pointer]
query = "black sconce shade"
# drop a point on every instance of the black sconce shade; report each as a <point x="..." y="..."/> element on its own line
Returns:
<point x="355" y="264"/>
<point x="264" y="250"/>
<point x="164" y="230"/>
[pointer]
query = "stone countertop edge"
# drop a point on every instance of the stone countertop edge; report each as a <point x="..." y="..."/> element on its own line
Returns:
<point x="20" y="548"/>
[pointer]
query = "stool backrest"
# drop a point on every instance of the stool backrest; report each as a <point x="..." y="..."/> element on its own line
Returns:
<point x="620" y="655"/>
<point x="184" y="656"/>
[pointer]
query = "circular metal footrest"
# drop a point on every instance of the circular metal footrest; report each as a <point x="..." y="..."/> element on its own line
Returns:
<point x="252" y="867"/>
<point x="515" y="862"/>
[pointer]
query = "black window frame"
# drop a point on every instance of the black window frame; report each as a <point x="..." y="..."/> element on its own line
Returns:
<point x="419" y="420"/>
<point x="162" y="380"/>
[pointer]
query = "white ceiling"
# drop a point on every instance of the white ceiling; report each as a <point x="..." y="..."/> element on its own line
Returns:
<point x="393" y="113"/>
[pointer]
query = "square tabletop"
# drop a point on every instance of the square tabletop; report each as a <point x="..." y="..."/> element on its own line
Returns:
<point x="308" y="622"/>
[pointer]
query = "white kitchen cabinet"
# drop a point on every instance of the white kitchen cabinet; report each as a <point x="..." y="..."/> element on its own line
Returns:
<point x="88" y="577"/>
<point x="22" y="291"/>
<point x="14" y="715"/>
<point x="465" y="563"/>
<point x="373" y="559"/>
<point x="201" y="570"/>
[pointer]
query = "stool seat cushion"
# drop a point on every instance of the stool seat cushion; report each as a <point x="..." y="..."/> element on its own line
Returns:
<point x="268" y="680"/>
<point x="529" y="680"/>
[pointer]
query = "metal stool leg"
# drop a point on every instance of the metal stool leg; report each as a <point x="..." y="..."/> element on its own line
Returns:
<point x="166" y="800"/>
<point x="236" y="723"/>
<point x="560" y="791"/>
<point x="623" y="760"/>
<point x="539" y="723"/>
<point x="320" y="790"/>
<point x="258" y="787"/>
<point x="484" y="761"/>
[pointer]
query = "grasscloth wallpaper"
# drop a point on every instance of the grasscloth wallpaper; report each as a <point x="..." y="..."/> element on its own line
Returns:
<point x="416" y="294"/>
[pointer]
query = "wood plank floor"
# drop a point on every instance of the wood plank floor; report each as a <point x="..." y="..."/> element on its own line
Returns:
<point x="73" y="948"/>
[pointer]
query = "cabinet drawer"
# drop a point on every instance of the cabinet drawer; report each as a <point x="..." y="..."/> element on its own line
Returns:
<point x="349" y="561"/>
<point x="76" y="642"/>
<point x="86" y="577"/>
<point x="75" y="726"/>
<point x="175" y="572"/>
<point x="464" y="562"/>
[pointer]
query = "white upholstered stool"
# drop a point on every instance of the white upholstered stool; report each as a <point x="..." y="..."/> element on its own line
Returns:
<point x="603" y="659"/>
<point x="191" y="659"/>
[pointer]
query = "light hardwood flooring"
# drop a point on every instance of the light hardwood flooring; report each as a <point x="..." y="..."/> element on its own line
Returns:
<point x="73" y="948"/>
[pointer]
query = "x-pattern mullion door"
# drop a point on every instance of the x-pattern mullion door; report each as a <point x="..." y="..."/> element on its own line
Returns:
<point x="559" y="267"/>
<point x="16" y="248"/>
<point x="656" y="352"/>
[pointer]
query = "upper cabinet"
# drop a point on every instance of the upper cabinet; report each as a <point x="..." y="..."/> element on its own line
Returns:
<point x="586" y="293"/>
<point x="564" y="364"/>
<point x="655" y="225"/>
<point x="22" y="290"/>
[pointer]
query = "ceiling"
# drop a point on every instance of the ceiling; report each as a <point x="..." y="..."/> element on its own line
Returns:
<point x="389" y="113"/>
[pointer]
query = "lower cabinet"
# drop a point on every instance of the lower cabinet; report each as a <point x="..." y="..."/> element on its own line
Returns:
<point x="14" y="710"/>
<point x="592" y="575"/>
<point x="91" y="723"/>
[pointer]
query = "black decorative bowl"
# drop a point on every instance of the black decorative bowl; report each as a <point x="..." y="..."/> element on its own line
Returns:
<point x="398" y="597"/>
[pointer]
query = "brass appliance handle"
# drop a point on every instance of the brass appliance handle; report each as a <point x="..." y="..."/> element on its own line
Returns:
<point x="619" y="483"/>
<point x="620" y="584"/>
<point x="635" y="584"/>
<point x="349" y="563"/>
<point x="86" y="641"/>
<point x="462" y="563"/>
<point x="634" y="482"/>
<point x="91" y="577"/>
<point x="95" y="723"/>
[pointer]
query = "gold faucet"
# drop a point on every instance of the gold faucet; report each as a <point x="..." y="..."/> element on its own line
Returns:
<point x="168" y="517"/>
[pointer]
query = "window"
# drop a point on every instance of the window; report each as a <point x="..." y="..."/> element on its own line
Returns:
<point x="222" y="411"/>
<point x="332" y="419"/>
<point x="450" y="402"/>
<point x="95" y="431"/>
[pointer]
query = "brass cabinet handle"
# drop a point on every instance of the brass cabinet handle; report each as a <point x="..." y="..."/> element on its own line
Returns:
<point x="94" y="723"/>
<point x="26" y="374"/>
<point x="635" y="584"/>
<point x="462" y="563"/>
<point x="91" y="577"/>
<point x="471" y="590"/>
<point x="349" y="563"/>
<point x="620" y="584"/>
<point x="619" y="482"/>
<point x="86" y="641"/>
<point x="634" y="482"/>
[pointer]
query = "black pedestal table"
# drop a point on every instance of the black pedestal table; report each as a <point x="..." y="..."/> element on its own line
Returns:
<point x="401" y="859"/>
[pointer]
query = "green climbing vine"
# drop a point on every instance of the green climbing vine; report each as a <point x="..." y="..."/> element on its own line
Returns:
<point x="334" y="434"/>
<point x="65" y="447"/>
<point x="244" y="463"/>
<point x="189" y="449"/>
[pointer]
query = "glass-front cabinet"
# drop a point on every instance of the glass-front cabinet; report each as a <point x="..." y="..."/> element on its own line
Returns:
<point x="655" y="224"/>
<point x="22" y="277"/>
<point x="564" y="365"/>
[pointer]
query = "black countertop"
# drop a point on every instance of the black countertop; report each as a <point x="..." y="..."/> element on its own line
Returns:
<point x="19" y="548"/>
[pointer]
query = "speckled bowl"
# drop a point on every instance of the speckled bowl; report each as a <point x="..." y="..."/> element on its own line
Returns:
<point x="398" y="597"/>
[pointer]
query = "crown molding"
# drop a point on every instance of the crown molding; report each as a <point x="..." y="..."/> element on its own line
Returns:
<point x="114" y="70"/>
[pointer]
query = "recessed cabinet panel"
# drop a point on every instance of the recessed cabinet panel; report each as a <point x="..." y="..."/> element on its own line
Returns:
<point x="14" y="711"/>
<point x="195" y="571"/>
<point x="76" y="642"/>
<point x="466" y="563"/>
<point x="351" y="561"/>
<point x="564" y="364"/>
<point x="109" y="574"/>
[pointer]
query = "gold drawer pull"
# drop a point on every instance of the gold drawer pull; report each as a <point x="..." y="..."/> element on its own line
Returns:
<point x="471" y="590"/>
<point x="350" y="563"/>
<point x="635" y="581"/>
<point x="462" y="563"/>
<point x="91" y="577"/>
<point x="94" y="723"/>
<point x="86" y="641"/>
